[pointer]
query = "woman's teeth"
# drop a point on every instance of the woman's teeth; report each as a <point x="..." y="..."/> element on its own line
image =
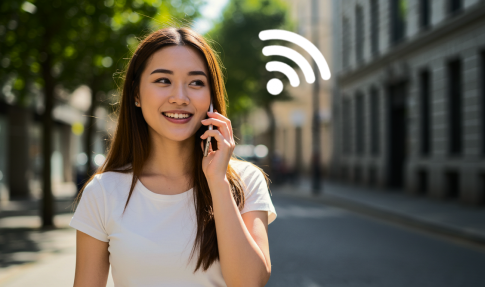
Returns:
<point x="177" y="116"/>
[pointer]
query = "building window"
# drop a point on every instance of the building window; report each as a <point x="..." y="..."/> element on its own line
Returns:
<point x="422" y="181"/>
<point x="345" y="42"/>
<point x="482" y="76"/>
<point x="454" y="107"/>
<point x="359" y="123"/>
<point x="357" y="174"/>
<point x="359" y="34"/>
<point x="398" y="20"/>
<point x="346" y="118"/>
<point x="372" y="177"/>
<point x="455" y="6"/>
<point x="425" y="93"/>
<point x="374" y="24"/>
<point x="452" y="180"/>
<point x="424" y="13"/>
<point x="375" y="122"/>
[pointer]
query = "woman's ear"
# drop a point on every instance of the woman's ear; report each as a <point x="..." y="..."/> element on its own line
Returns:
<point x="137" y="102"/>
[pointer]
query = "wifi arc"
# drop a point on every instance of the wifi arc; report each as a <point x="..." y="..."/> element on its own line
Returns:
<point x="275" y="86"/>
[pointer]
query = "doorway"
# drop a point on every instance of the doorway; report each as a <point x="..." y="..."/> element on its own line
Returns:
<point x="397" y="134"/>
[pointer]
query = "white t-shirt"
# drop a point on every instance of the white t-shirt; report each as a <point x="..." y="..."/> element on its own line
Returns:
<point x="151" y="244"/>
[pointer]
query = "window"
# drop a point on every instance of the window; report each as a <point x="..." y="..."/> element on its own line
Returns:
<point x="454" y="107"/>
<point x="482" y="76"/>
<point x="422" y="181"/>
<point x="424" y="94"/>
<point x="452" y="180"/>
<point x="346" y="118"/>
<point x="454" y="6"/>
<point x="374" y="121"/>
<point x="345" y="42"/>
<point x="359" y="34"/>
<point x="374" y="24"/>
<point x="424" y="13"/>
<point x="359" y="123"/>
<point x="398" y="20"/>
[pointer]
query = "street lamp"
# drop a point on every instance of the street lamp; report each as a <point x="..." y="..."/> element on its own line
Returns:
<point x="298" y="119"/>
<point x="316" y="184"/>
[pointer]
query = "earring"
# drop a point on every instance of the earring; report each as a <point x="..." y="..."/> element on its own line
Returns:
<point x="136" y="104"/>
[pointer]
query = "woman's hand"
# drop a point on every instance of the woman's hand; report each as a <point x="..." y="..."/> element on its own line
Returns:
<point x="216" y="162"/>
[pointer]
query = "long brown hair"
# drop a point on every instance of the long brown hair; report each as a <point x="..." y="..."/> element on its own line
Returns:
<point x="129" y="148"/>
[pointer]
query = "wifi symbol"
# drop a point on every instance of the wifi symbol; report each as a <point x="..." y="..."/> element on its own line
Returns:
<point x="275" y="86"/>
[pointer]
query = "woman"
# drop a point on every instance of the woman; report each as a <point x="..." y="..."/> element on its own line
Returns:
<point x="156" y="195"/>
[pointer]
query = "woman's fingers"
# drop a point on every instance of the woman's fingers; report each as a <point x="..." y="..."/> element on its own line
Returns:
<point x="218" y="116"/>
<point x="219" y="138"/>
<point x="222" y="126"/>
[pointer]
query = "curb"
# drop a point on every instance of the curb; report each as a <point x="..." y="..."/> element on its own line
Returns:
<point x="394" y="216"/>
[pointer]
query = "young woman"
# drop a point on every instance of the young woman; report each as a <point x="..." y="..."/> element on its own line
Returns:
<point x="158" y="211"/>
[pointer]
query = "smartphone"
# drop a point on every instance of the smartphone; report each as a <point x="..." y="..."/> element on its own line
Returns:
<point x="206" y="151"/>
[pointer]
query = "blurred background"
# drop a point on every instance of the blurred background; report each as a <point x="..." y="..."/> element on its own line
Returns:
<point x="377" y="174"/>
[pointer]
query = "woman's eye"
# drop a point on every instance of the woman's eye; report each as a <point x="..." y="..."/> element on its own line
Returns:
<point x="200" y="83"/>
<point x="161" y="81"/>
<point x="167" y="81"/>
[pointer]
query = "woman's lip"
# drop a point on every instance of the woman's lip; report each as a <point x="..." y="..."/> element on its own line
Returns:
<point x="177" y="121"/>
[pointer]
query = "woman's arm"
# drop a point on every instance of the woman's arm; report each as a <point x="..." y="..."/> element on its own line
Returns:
<point x="92" y="261"/>
<point x="242" y="240"/>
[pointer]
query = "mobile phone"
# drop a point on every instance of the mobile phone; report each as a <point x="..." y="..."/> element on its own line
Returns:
<point x="211" y="109"/>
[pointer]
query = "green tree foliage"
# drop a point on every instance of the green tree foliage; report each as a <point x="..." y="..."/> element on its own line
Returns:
<point x="77" y="39"/>
<point x="46" y="44"/>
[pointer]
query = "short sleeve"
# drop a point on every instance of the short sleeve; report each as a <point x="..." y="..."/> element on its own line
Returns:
<point x="257" y="193"/>
<point x="89" y="216"/>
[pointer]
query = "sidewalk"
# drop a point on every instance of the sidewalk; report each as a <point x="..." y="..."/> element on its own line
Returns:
<point x="445" y="217"/>
<point x="30" y="256"/>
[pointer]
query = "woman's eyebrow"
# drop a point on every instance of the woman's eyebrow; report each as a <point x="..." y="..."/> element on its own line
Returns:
<point x="192" y="73"/>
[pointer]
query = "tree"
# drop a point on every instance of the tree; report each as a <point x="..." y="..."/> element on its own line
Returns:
<point x="47" y="44"/>
<point x="238" y="35"/>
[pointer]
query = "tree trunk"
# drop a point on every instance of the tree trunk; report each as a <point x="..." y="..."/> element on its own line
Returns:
<point x="18" y="152"/>
<point x="48" y="198"/>
<point x="90" y="129"/>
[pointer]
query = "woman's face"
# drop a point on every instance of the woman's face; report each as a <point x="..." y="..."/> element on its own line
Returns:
<point x="174" y="92"/>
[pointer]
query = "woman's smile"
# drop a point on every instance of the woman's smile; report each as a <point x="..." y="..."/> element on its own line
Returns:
<point x="177" y="116"/>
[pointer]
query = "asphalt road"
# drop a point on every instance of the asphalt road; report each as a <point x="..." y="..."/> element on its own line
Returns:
<point x="312" y="245"/>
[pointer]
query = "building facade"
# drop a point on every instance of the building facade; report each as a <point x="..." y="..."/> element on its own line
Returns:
<point x="21" y="157"/>
<point x="409" y="96"/>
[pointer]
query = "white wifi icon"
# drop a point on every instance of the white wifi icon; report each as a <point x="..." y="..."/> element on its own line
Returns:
<point x="275" y="86"/>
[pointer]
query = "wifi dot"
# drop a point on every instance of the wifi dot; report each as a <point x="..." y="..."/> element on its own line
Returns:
<point x="274" y="87"/>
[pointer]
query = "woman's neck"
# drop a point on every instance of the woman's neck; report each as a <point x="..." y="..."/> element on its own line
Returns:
<point x="169" y="158"/>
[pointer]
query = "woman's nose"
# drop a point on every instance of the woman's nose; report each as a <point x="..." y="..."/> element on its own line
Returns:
<point x="179" y="96"/>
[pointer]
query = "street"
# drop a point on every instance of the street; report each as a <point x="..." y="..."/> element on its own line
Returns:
<point x="313" y="245"/>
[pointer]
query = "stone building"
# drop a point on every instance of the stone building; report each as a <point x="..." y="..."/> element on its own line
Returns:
<point x="408" y="98"/>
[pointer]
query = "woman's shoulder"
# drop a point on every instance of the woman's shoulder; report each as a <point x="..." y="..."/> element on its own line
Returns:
<point x="110" y="181"/>
<point x="245" y="169"/>
<point x="109" y="176"/>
